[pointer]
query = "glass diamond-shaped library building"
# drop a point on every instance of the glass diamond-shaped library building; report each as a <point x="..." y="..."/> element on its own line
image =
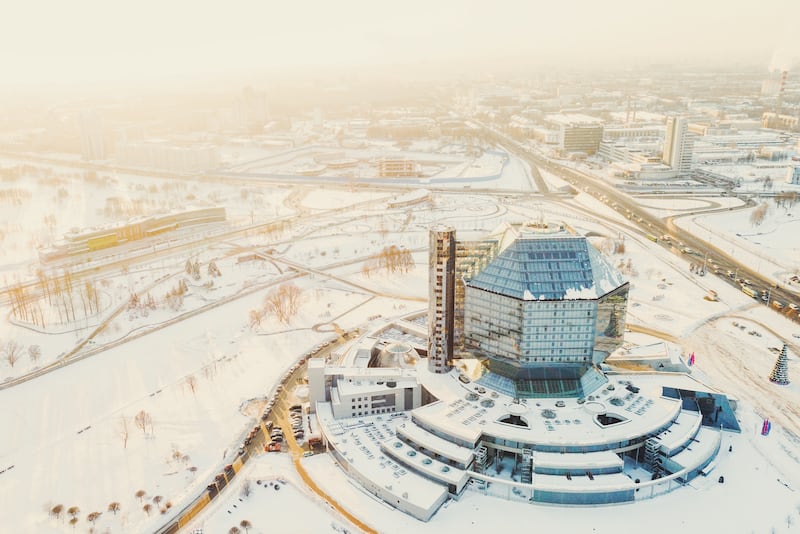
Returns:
<point x="502" y="385"/>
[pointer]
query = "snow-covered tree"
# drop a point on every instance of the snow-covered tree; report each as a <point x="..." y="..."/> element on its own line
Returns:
<point x="34" y="352"/>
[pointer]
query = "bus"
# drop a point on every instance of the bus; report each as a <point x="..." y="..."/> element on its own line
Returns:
<point x="749" y="291"/>
<point x="652" y="238"/>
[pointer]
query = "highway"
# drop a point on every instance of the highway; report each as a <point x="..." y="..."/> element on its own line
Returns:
<point x="678" y="241"/>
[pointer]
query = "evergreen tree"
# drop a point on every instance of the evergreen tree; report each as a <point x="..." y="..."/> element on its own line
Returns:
<point x="780" y="373"/>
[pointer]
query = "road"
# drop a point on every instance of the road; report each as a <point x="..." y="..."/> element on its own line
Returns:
<point x="281" y="418"/>
<point x="648" y="225"/>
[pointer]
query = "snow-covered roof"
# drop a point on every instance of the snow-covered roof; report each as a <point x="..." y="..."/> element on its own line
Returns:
<point x="574" y="423"/>
<point x="573" y="119"/>
<point x="434" y="443"/>
<point x="359" y="440"/>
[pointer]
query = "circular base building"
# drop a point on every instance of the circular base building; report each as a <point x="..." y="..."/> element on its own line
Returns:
<point x="530" y="412"/>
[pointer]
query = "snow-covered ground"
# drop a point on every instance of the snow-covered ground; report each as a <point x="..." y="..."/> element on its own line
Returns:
<point x="68" y="441"/>
<point x="771" y="248"/>
<point x="277" y="501"/>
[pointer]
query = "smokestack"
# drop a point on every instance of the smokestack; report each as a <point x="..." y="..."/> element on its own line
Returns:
<point x="628" y="112"/>
<point x="784" y="75"/>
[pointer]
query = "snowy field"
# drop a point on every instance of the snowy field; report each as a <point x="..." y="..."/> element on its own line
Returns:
<point x="277" y="501"/>
<point x="199" y="377"/>
<point x="771" y="247"/>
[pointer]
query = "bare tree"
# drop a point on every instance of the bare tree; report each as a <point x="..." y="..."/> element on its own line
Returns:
<point x="758" y="214"/>
<point x="786" y="200"/>
<point x="234" y="530"/>
<point x="174" y="298"/>
<point x="94" y="516"/>
<point x="140" y="495"/>
<point x="73" y="511"/>
<point x="246" y="525"/>
<point x="254" y="318"/>
<point x="283" y="302"/>
<point x="157" y="499"/>
<point x="73" y="522"/>
<point x="35" y="352"/>
<point x="114" y="507"/>
<point x="12" y="351"/>
<point x="191" y="381"/>
<point x="147" y="508"/>
<point x="210" y="371"/>
<point x="57" y="510"/>
<point x="123" y="430"/>
<point x="143" y="420"/>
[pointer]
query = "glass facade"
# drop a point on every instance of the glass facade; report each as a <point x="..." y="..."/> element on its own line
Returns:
<point x="541" y="268"/>
<point x="610" y="326"/>
<point x="599" y="497"/>
<point x="543" y="313"/>
<point x="471" y="258"/>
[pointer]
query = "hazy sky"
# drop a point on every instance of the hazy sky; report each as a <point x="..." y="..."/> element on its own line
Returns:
<point x="67" y="42"/>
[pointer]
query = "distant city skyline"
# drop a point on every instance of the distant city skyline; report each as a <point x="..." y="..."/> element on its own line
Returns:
<point x="90" y="41"/>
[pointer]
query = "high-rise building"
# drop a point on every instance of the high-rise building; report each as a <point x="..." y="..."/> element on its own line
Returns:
<point x="441" y="303"/>
<point x="544" y="314"/>
<point x="577" y="133"/>
<point x="92" y="142"/>
<point x="678" y="145"/>
<point x="534" y="413"/>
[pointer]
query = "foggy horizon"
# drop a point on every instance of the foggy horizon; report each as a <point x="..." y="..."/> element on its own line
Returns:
<point x="91" y="45"/>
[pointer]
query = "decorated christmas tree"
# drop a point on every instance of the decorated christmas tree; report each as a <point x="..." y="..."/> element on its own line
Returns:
<point x="780" y="373"/>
